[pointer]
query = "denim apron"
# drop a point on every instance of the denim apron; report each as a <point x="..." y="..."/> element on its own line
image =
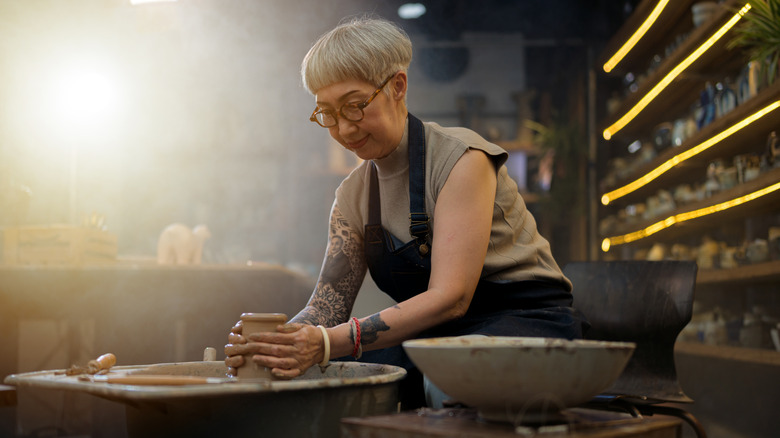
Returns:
<point x="402" y="270"/>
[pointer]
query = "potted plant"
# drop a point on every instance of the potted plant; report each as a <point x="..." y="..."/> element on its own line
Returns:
<point x="759" y="34"/>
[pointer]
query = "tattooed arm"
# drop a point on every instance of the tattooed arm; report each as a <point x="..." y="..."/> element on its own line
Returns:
<point x="298" y="344"/>
<point x="340" y="278"/>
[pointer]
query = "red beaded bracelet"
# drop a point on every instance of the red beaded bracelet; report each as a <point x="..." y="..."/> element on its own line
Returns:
<point x="357" y="349"/>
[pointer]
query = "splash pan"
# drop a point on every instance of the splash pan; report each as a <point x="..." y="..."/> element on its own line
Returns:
<point x="519" y="380"/>
<point x="308" y="406"/>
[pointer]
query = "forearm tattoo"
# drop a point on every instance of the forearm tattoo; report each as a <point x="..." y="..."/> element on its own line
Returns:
<point x="370" y="328"/>
<point x="341" y="275"/>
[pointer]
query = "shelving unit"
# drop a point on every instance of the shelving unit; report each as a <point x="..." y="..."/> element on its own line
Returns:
<point x="753" y="134"/>
<point x="759" y="272"/>
<point x="742" y="130"/>
<point x="684" y="89"/>
<point x="750" y="206"/>
<point x="757" y="206"/>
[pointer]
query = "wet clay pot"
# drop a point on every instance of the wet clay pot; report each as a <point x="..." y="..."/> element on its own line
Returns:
<point x="257" y="323"/>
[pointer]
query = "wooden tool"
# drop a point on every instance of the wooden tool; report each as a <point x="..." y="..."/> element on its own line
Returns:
<point x="152" y="380"/>
<point x="101" y="365"/>
<point x="104" y="362"/>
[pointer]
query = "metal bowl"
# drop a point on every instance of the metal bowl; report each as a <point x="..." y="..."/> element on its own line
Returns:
<point x="311" y="405"/>
<point x="519" y="379"/>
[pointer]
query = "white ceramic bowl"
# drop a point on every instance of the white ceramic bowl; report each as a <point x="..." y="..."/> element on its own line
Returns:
<point x="519" y="379"/>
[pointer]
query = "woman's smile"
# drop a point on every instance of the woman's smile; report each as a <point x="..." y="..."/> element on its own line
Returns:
<point x="354" y="145"/>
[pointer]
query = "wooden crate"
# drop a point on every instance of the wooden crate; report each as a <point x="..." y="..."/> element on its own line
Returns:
<point x="58" y="245"/>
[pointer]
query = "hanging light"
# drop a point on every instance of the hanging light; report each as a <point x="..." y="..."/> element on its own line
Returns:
<point x="410" y="11"/>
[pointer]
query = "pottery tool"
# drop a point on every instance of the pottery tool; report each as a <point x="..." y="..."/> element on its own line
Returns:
<point x="101" y="365"/>
<point x="154" y="380"/>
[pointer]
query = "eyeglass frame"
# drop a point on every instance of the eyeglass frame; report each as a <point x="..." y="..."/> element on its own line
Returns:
<point x="340" y="113"/>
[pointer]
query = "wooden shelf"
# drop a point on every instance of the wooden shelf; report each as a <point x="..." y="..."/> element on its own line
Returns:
<point x="737" y="354"/>
<point x="749" y="139"/>
<point x="675" y="19"/>
<point x="757" y="206"/>
<point x="768" y="271"/>
<point x="713" y="65"/>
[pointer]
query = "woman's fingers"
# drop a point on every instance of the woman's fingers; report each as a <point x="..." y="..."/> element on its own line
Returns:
<point x="290" y="327"/>
<point x="289" y="352"/>
<point x="281" y="373"/>
<point x="235" y="338"/>
<point x="234" y="361"/>
<point x="234" y="358"/>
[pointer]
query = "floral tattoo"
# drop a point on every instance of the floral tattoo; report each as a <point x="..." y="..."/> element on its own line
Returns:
<point x="341" y="276"/>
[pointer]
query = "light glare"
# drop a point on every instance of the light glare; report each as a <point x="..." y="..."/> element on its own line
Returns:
<point x="410" y="11"/>
<point x="83" y="96"/>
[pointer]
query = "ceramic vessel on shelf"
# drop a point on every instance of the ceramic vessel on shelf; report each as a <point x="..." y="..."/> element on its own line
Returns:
<point x="703" y="12"/>
<point x="757" y="251"/>
<point x="729" y="257"/>
<point x="708" y="252"/>
<point x="774" y="243"/>
<point x="727" y="178"/>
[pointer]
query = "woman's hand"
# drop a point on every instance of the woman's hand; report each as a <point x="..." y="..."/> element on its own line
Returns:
<point x="288" y="352"/>
<point x="234" y="338"/>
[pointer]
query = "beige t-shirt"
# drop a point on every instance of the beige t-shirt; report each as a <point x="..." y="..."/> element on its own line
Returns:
<point x="517" y="252"/>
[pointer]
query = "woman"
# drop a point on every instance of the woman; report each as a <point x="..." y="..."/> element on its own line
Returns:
<point x="431" y="213"/>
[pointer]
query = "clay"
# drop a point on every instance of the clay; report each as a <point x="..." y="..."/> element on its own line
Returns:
<point x="257" y="323"/>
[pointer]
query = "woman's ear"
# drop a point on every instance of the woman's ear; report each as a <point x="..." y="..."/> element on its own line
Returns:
<point x="399" y="85"/>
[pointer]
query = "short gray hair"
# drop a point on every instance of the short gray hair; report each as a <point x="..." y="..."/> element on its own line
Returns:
<point x="367" y="49"/>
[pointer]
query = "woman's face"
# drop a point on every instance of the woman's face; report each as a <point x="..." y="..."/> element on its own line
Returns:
<point x="384" y="119"/>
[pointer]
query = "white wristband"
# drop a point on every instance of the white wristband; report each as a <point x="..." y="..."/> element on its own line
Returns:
<point x="326" y="340"/>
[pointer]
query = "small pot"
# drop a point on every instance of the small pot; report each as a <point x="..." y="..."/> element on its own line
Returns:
<point x="258" y="323"/>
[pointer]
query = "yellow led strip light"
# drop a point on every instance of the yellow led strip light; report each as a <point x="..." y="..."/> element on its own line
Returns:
<point x="631" y="42"/>
<point x="609" y="242"/>
<point x="679" y="158"/>
<point x="663" y="83"/>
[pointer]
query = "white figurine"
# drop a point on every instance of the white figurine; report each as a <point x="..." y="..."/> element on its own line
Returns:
<point x="180" y="245"/>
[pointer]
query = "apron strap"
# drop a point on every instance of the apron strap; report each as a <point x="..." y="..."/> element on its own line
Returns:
<point x="419" y="222"/>
<point x="374" y="207"/>
<point x="418" y="219"/>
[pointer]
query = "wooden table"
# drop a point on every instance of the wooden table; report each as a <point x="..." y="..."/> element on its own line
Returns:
<point x="7" y="395"/>
<point x="455" y="423"/>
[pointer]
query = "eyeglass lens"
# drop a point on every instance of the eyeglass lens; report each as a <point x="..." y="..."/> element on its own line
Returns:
<point x="351" y="112"/>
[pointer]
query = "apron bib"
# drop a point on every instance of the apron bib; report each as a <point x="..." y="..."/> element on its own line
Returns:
<point x="402" y="270"/>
